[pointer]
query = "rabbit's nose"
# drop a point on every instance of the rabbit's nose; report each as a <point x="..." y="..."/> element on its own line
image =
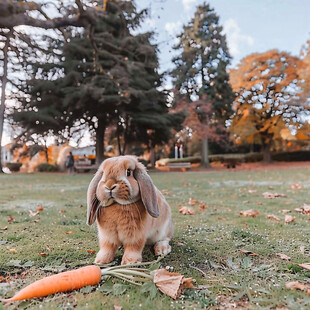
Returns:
<point x="110" y="188"/>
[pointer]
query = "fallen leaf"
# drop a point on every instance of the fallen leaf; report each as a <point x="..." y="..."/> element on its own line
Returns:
<point x="40" y="208"/>
<point x="69" y="232"/>
<point x="91" y="251"/>
<point x="118" y="307"/>
<point x="202" y="207"/>
<point x="32" y="214"/>
<point x="4" y="228"/>
<point x="273" y="217"/>
<point x="249" y="213"/>
<point x="289" y="219"/>
<point x="304" y="266"/>
<point x="283" y="256"/>
<point x="180" y="244"/>
<point x="11" y="219"/>
<point x="270" y="187"/>
<point x="296" y="186"/>
<point x="62" y="190"/>
<point x="192" y="201"/>
<point x="80" y="206"/>
<point x="62" y="211"/>
<point x="245" y="201"/>
<point x="286" y="211"/>
<point x="43" y="254"/>
<point x="186" y="210"/>
<point x="251" y="191"/>
<point x="248" y="253"/>
<point x="304" y="209"/>
<point x="37" y="220"/>
<point x="166" y="192"/>
<point x="186" y="184"/>
<point x="296" y="285"/>
<point x="273" y="195"/>
<point x="170" y="283"/>
<point x="13" y="250"/>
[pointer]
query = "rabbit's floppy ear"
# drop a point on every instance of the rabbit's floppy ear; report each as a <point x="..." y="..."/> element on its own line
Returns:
<point x="92" y="201"/>
<point x="147" y="190"/>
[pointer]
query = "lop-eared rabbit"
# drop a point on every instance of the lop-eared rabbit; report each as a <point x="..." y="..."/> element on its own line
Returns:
<point x="129" y="210"/>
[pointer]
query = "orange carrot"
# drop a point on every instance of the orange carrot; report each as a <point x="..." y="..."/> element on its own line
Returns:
<point x="61" y="282"/>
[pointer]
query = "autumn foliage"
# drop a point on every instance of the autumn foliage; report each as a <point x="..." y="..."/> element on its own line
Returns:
<point x="268" y="106"/>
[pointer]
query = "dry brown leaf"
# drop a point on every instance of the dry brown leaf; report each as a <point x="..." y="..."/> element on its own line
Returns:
<point x="171" y="283"/>
<point x="116" y="307"/>
<point x="202" y="207"/>
<point x="91" y="251"/>
<point x="192" y="201"/>
<point x="273" y="195"/>
<point x="13" y="250"/>
<point x="285" y="211"/>
<point x="186" y="184"/>
<point x="10" y="219"/>
<point x="4" y="228"/>
<point x="273" y="217"/>
<point x="304" y="266"/>
<point x="300" y="210"/>
<point x="249" y="213"/>
<point x="43" y="254"/>
<point x="283" y="256"/>
<point x="296" y="186"/>
<point x="245" y="201"/>
<point x="32" y="214"/>
<point x="251" y="191"/>
<point x="295" y="285"/>
<point x="166" y="192"/>
<point x="69" y="232"/>
<point x="186" y="210"/>
<point x="249" y="253"/>
<point x="304" y="209"/>
<point x="37" y="220"/>
<point x="289" y="219"/>
<point x="40" y="208"/>
<point x="62" y="211"/>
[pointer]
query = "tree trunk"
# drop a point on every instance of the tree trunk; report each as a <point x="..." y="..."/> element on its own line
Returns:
<point x="100" y="131"/>
<point x="267" y="153"/>
<point x="153" y="157"/>
<point x="3" y="87"/>
<point x="205" y="154"/>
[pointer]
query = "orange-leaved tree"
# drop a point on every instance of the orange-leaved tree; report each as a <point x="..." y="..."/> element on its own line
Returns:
<point x="268" y="104"/>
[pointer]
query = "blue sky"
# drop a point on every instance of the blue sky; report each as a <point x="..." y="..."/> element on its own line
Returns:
<point x="250" y="25"/>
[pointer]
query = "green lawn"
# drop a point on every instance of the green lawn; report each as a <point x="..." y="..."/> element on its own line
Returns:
<point x="206" y="246"/>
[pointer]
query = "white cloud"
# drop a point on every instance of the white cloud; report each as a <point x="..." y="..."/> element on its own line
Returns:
<point x="235" y="38"/>
<point x="188" y="4"/>
<point x="173" y="28"/>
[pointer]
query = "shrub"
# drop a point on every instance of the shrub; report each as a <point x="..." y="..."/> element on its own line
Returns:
<point x="291" y="156"/>
<point x="14" y="167"/>
<point x="45" y="167"/>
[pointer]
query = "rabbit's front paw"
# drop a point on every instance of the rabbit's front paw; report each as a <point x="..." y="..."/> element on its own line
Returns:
<point x="104" y="256"/>
<point x="162" y="248"/>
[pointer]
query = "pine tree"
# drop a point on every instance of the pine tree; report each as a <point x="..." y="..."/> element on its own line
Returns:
<point x="108" y="77"/>
<point x="201" y="71"/>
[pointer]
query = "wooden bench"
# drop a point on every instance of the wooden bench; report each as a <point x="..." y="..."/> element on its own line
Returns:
<point x="84" y="165"/>
<point x="231" y="162"/>
<point x="179" y="166"/>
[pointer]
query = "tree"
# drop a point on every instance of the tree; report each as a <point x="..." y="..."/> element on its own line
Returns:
<point x="267" y="106"/>
<point x="201" y="71"/>
<point x="16" y="13"/>
<point x="109" y="80"/>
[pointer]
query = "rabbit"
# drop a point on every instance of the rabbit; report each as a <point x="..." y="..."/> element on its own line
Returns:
<point x="129" y="210"/>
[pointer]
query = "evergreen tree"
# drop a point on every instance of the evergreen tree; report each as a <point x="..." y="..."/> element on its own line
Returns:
<point x="200" y="71"/>
<point x="106" y="77"/>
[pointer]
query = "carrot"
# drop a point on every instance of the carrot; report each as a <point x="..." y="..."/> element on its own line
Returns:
<point x="61" y="282"/>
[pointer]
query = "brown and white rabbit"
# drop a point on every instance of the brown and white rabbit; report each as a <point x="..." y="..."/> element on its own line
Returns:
<point x="129" y="211"/>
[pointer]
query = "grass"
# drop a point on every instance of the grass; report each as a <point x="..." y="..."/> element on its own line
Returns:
<point x="206" y="246"/>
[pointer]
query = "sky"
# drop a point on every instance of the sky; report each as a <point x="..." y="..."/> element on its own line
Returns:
<point x="250" y="25"/>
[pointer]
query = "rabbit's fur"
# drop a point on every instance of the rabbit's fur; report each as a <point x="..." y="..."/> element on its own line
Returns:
<point x="129" y="211"/>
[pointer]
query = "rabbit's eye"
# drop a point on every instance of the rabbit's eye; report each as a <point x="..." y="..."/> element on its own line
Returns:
<point x="128" y="172"/>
